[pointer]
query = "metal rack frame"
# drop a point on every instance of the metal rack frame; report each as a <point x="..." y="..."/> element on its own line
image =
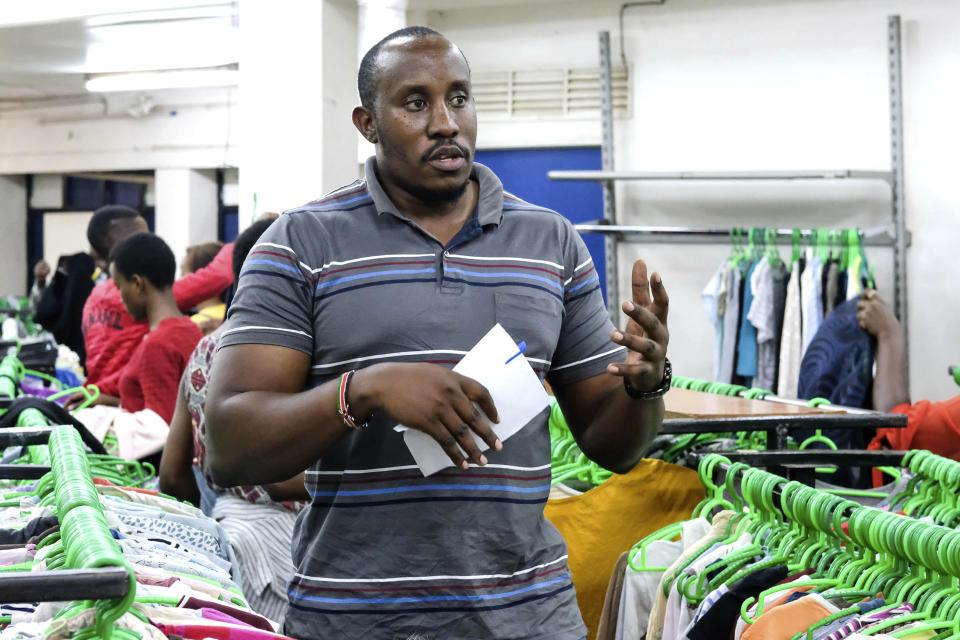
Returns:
<point x="61" y="584"/>
<point x="898" y="237"/>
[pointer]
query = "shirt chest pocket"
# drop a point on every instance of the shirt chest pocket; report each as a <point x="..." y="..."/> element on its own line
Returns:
<point x="534" y="319"/>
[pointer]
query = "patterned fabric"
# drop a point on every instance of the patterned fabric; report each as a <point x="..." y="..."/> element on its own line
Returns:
<point x="260" y="535"/>
<point x="871" y="618"/>
<point x="194" y="389"/>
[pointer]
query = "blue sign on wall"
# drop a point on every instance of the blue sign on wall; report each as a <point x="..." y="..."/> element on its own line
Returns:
<point x="524" y="174"/>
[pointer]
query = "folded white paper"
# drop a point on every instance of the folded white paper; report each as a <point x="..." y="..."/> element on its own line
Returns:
<point x="519" y="396"/>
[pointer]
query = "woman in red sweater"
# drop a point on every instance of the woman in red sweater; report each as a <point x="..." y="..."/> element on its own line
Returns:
<point x="143" y="268"/>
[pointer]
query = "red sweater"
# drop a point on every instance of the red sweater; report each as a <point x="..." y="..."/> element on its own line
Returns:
<point x="110" y="333"/>
<point x="152" y="377"/>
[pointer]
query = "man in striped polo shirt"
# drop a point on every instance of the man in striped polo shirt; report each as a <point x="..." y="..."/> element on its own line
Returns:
<point x="395" y="277"/>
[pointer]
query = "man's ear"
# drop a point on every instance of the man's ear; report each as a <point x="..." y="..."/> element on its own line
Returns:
<point x="139" y="283"/>
<point x="363" y="121"/>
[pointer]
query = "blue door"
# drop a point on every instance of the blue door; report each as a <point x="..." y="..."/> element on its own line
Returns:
<point x="524" y="174"/>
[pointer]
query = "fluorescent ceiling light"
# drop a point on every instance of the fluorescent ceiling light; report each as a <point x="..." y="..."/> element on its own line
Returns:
<point x="172" y="79"/>
<point x="175" y="14"/>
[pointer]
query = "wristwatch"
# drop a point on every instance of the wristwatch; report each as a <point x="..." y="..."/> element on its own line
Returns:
<point x="656" y="393"/>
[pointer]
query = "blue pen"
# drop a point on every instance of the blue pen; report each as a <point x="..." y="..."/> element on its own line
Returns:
<point x="523" y="347"/>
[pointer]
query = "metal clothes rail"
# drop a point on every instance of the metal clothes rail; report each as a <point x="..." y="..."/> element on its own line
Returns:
<point x="61" y="584"/>
<point x="897" y="237"/>
<point x="875" y="237"/>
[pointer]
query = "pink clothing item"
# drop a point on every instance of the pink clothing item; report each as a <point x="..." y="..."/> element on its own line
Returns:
<point x="203" y="629"/>
<point x="10" y="557"/>
<point x="138" y="434"/>
<point x="235" y="613"/>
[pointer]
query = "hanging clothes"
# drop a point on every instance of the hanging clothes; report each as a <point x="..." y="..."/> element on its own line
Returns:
<point x="812" y="309"/>
<point x="747" y="340"/>
<point x="791" y="345"/>
<point x="600" y="523"/>
<point x="831" y="286"/>
<point x="781" y="275"/>
<point x="854" y="286"/>
<point x="762" y="317"/>
<point x="710" y="298"/>
<point x="731" y="321"/>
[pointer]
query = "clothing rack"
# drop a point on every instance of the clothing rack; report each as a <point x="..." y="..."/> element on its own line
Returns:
<point x="801" y="466"/>
<point x="874" y="237"/>
<point x="896" y="237"/>
<point x="23" y="436"/>
<point x="780" y="426"/>
<point x="61" y="584"/>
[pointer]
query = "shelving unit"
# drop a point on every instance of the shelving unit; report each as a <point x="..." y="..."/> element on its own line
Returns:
<point x="895" y="236"/>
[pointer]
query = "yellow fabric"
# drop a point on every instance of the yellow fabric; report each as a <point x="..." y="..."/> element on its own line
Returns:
<point x="216" y="312"/>
<point x="607" y="520"/>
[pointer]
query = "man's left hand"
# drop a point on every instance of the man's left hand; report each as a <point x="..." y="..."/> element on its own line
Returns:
<point x="646" y="336"/>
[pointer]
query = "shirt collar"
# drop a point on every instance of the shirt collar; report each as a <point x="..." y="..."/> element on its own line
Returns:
<point x="489" y="200"/>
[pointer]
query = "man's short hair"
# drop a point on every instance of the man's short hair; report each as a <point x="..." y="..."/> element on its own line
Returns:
<point x="368" y="75"/>
<point x="104" y="223"/>
<point x="147" y="255"/>
<point x="245" y="242"/>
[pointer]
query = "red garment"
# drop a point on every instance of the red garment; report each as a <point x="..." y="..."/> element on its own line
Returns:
<point x="111" y="334"/>
<point x="934" y="426"/>
<point x="152" y="377"/>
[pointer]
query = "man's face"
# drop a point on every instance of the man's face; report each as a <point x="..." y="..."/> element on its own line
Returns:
<point x="133" y="293"/>
<point x="425" y="118"/>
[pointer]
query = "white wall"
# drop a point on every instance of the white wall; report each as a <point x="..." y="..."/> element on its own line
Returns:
<point x="745" y="84"/>
<point x="64" y="234"/>
<point x="183" y="129"/>
<point x="13" y="235"/>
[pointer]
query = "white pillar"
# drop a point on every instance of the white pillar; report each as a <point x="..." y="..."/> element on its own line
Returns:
<point x="13" y="235"/>
<point x="297" y="88"/>
<point x="186" y="208"/>
<point x="375" y="20"/>
<point x="281" y="105"/>
<point x="340" y="32"/>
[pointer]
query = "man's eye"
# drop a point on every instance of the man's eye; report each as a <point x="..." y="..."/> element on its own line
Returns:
<point x="460" y="100"/>
<point x="417" y="103"/>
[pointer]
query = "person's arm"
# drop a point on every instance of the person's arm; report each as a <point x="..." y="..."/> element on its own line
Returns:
<point x="291" y="489"/>
<point x="208" y="282"/>
<point x="611" y="428"/>
<point x="262" y="427"/>
<point x="78" y="398"/>
<point x="176" y="463"/>
<point x="890" y="385"/>
<point x="41" y="271"/>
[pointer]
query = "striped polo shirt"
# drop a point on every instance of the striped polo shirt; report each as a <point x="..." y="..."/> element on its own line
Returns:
<point x="382" y="552"/>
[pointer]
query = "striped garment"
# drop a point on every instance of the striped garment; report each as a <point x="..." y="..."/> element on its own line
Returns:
<point x="260" y="535"/>
<point x="863" y="622"/>
<point x="383" y="552"/>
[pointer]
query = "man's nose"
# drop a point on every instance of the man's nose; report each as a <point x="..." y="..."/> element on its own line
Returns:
<point x="443" y="123"/>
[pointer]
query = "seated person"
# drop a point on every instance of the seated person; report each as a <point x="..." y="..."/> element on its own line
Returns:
<point x="934" y="426"/>
<point x="210" y="312"/>
<point x="143" y="269"/>
<point x="110" y="333"/>
<point x="251" y="515"/>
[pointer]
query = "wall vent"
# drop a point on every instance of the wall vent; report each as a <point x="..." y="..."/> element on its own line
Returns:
<point x="547" y="93"/>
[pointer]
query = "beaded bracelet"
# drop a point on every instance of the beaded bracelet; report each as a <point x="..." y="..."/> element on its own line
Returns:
<point x="344" y="408"/>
